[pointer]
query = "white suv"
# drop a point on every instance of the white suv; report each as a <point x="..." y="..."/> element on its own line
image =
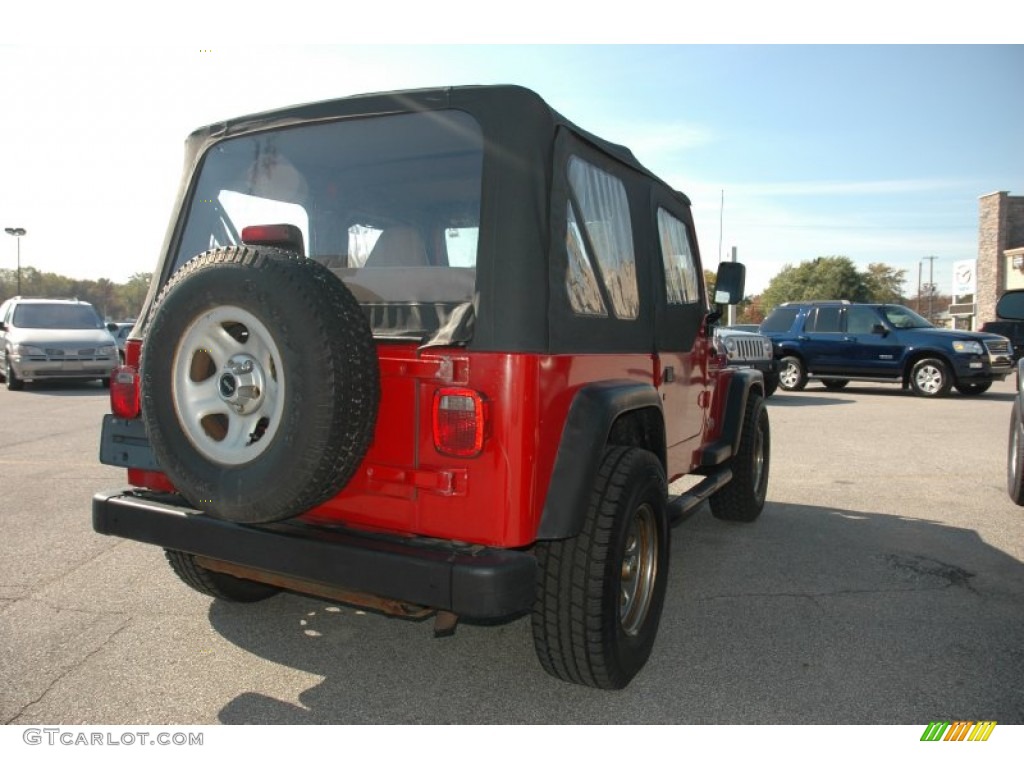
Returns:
<point x="54" y="339"/>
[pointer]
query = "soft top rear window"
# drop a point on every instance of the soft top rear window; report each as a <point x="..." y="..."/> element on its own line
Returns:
<point x="391" y="204"/>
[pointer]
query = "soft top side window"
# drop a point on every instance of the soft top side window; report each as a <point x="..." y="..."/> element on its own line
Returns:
<point x="677" y="259"/>
<point x="599" y="240"/>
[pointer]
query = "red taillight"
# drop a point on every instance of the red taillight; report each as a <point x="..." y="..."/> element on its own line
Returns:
<point x="460" y="417"/>
<point x="132" y="352"/>
<point x="282" y="235"/>
<point x="124" y="391"/>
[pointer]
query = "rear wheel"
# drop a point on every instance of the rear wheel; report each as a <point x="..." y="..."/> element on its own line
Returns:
<point x="771" y="383"/>
<point x="219" y="585"/>
<point x="973" y="388"/>
<point x="930" y="378"/>
<point x="742" y="498"/>
<point x="600" y="593"/>
<point x="792" y="376"/>
<point x="835" y="384"/>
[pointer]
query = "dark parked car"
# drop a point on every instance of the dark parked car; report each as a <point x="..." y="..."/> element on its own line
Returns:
<point x="120" y="332"/>
<point x="837" y="342"/>
<point x="1011" y="307"/>
<point x="1011" y="329"/>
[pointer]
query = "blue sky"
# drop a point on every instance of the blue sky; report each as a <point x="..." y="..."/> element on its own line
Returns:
<point x="878" y="153"/>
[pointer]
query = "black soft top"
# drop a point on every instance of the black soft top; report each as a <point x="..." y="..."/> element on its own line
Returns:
<point x="520" y="133"/>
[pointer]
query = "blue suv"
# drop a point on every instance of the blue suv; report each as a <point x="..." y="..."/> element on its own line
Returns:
<point x="837" y="342"/>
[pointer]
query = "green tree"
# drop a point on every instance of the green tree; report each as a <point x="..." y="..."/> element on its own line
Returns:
<point x="133" y="293"/>
<point x="827" y="277"/>
<point x="885" y="283"/>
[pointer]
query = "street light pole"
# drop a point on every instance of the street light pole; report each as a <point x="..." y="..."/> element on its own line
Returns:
<point x="18" y="233"/>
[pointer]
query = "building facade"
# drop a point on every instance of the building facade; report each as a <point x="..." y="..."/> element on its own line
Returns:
<point x="1000" y="250"/>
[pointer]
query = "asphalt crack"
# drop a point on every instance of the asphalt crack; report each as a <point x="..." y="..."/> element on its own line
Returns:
<point x="71" y="668"/>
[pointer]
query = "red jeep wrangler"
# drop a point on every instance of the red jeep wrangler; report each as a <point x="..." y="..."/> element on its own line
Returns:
<point x="440" y="353"/>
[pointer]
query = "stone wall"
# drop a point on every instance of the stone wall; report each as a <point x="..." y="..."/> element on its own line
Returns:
<point x="1000" y="228"/>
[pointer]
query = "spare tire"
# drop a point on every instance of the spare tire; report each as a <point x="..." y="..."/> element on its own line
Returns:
<point x="260" y="383"/>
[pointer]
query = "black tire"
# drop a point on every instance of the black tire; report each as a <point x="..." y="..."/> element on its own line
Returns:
<point x="973" y="388"/>
<point x="835" y="384"/>
<point x="1015" y="456"/>
<point x="105" y="382"/>
<point x="14" y="384"/>
<point x="792" y="375"/>
<point x="742" y="499"/>
<point x="771" y="384"/>
<point x="930" y="377"/>
<point x="589" y="625"/>
<point x="219" y="585"/>
<point x="260" y="383"/>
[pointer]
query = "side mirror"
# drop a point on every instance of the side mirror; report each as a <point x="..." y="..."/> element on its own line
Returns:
<point x="1011" y="305"/>
<point x="880" y="329"/>
<point x="729" y="283"/>
<point x="112" y="327"/>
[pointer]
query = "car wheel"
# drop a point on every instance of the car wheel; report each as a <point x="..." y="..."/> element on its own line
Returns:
<point x="792" y="376"/>
<point x="13" y="382"/>
<point x="930" y="378"/>
<point x="219" y="585"/>
<point x="970" y="388"/>
<point x="600" y="593"/>
<point x="260" y="384"/>
<point x="771" y="384"/>
<point x="742" y="498"/>
<point x="835" y="384"/>
<point x="1015" y="456"/>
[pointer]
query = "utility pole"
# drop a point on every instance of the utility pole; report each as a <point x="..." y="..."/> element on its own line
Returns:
<point x="17" y="233"/>
<point x="931" y="288"/>
<point x="918" y="307"/>
<point x="732" y="307"/>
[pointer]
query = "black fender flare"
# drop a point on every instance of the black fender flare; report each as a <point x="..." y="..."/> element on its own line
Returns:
<point x="741" y="383"/>
<point x="595" y="408"/>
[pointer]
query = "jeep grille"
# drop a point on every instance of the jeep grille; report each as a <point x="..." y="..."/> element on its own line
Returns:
<point x="749" y="348"/>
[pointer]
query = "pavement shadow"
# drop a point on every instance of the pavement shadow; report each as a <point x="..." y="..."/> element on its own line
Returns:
<point x="820" y="396"/>
<point x="800" y="400"/>
<point x="64" y="389"/>
<point x="811" y="615"/>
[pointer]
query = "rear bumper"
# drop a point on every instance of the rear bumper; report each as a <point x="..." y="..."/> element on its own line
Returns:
<point x="472" y="582"/>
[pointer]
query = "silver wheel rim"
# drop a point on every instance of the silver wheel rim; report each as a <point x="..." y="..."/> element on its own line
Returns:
<point x="929" y="379"/>
<point x="639" y="571"/>
<point x="789" y="375"/>
<point x="228" y="386"/>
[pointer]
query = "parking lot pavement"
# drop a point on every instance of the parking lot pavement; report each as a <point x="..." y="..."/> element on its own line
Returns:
<point x="883" y="584"/>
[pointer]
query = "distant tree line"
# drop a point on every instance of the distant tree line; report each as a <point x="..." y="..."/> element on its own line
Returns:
<point x="113" y="301"/>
